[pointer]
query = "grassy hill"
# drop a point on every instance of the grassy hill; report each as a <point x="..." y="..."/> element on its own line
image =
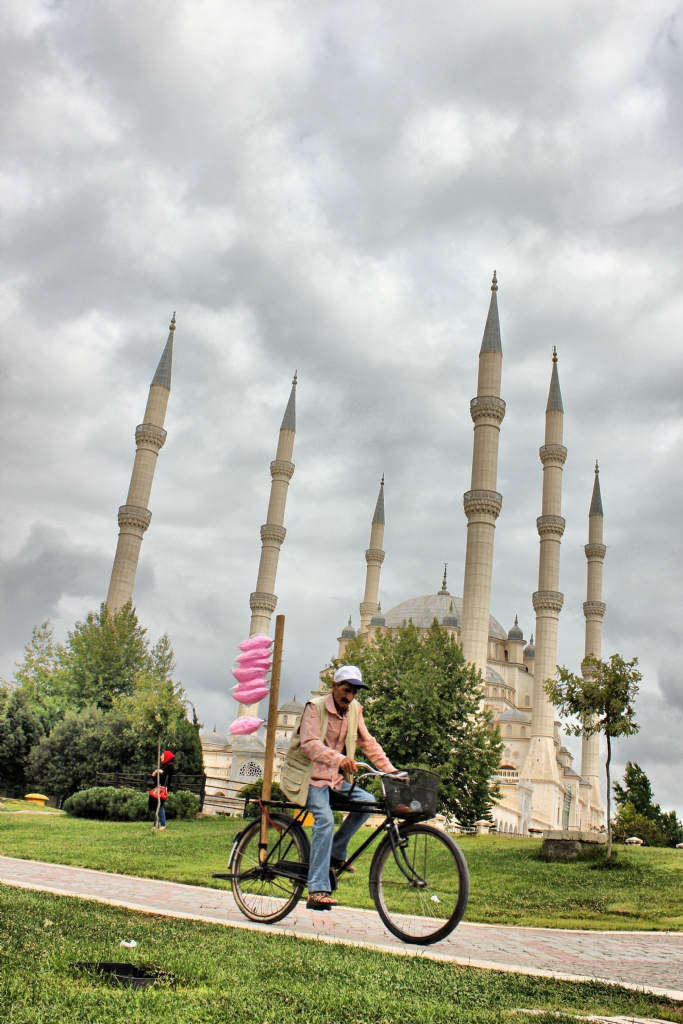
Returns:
<point x="509" y="883"/>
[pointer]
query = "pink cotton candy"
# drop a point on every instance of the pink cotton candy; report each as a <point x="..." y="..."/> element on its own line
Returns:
<point x="253" y="642"/>
<point x="244" y="726"/>
<point x="245" y="675"/>
<point x="252" y="695"/>
<point x="254" y="659"/>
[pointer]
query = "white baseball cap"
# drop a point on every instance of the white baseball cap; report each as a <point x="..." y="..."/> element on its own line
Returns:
<point x="350" y="674"/>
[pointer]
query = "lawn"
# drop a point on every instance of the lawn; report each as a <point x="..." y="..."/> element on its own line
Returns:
<point x="243" y="977"/>
<point x="509" y="884"/>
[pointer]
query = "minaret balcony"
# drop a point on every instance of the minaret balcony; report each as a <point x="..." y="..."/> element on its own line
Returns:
<point x="271" y="533"/>
<point x="553" y="454"/>
<point x="595" y="552"/>
<point x="487" y="407"/>
<point x="134" y="518"/>
<point x="594" y="609"/>
<point x="550" y="525"/>
<point x="547" y="601"/>
<point x="259" y="601"/>
<point x="482" y="503"/>
<point x="281" y="470"/>
<point x="374" y="556"/>
<point x="149" y="436"/>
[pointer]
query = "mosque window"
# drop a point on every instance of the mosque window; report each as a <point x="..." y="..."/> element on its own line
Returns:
<point x="284" y="719"/>
<point x="522" y="731"/>
<point x="494" y="691"/>
<point x="508" y="731"/>
<point x="250" y="770"/>
<point x="527" y="701"/>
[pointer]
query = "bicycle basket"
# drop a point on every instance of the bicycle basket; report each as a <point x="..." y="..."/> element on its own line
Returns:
<point x="417" y="797"/>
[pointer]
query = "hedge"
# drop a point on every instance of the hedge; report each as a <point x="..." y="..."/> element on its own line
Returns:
<point x="106" y="803"/>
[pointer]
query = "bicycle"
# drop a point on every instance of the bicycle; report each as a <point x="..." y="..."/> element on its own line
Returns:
<point x="419" y="880"/>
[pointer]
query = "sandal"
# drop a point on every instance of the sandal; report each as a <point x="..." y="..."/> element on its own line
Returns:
<point x="320" y="901"/>
<point x="340" y="865"/>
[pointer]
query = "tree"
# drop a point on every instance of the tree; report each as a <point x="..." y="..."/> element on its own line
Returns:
<point x="20" y="729"/>
<point x="424" y="706"/>
<point x="104" y="655"/>
<point x="639" y="813"/>
<point x="39" y="676"/>
<point x="602" y="701"/>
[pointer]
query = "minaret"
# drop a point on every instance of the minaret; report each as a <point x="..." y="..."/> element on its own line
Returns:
<point x="374" y="557"/>
<point x="483" y="502"/>
<point x="262" y="602"/>
<point x="541" y="763"/>
<point x="134" y="516"/>
<point x="593" y="610"/>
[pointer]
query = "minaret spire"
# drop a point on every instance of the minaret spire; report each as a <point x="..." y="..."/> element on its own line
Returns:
<point x="263" y="600"/>
<point x="541" y="764"/>
<point x="483" y="502"/>
<point x="594" y="610"/>
<point x="134" y="516"/>
<point x="374" y="556"/>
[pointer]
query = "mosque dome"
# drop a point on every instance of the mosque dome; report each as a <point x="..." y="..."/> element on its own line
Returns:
<point x="530" y="650"/>
<point x="212" y="737"/>
<point x="378" y="619"/>
<point x="348" y="632"/>
<point x="423" y="611"/>
<point x="494" y="677"/>
<point x="292" y="707"/>
<point x="515" y="633"/>
<point x="514" y="715"/>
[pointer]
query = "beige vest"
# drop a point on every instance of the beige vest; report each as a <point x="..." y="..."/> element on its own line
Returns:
<point x="298" y="767"/>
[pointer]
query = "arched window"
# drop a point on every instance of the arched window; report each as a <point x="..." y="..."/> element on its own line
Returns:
<point x="250" y="770"/>
<point x="527" y="701"/>
<point x="494" y="691"/>
<point x="508" y="731"/>
<point x="522" y="731"/>
<point x="284" y="719"/>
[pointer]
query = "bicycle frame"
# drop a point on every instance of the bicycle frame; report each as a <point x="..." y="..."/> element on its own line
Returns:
<point x="390" y="825"/>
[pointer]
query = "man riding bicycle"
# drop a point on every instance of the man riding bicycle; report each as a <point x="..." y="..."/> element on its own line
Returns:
<point x="319" y="764"/>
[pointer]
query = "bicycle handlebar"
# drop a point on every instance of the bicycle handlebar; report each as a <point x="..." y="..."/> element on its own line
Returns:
<point x="374" y="772"/>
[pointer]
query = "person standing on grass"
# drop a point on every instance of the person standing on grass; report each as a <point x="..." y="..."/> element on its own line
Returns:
<point x="319" y="764"/>
<point x="164" y="778"/>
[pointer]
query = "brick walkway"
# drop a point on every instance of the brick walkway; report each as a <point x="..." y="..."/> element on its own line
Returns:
<point x="652" y="961"/>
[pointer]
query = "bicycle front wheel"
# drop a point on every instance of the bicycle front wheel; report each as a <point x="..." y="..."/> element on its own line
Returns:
<point x="421" y="890"/>
<point x="268" y="892"/>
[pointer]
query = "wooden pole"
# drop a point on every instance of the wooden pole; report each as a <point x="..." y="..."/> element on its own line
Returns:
<point x="270" y="737"/>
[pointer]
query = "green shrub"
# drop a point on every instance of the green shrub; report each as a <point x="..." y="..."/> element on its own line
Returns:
<point x="183" y="805"/>
<point x="254" y="790"/>
<point x="107" y="804"/>
<point x="629" y="822"/>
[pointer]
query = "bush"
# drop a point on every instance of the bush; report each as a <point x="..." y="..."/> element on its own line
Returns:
<point x="629" y="822"/>
<point x="254" y="790"/>
<point x="182" y="805"/>
<point x="105" y="803"/>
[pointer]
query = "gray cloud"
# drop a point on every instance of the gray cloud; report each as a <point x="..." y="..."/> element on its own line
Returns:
<point x="328" y="187"/>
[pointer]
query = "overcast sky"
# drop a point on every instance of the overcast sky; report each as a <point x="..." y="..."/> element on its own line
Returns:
<point x="327" y="186"/>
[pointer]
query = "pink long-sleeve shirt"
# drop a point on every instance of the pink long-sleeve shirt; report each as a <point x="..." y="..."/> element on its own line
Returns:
<point x="328" y="753"/>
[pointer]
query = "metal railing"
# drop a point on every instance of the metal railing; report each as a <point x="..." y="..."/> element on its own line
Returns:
<point x="143" y="782"/>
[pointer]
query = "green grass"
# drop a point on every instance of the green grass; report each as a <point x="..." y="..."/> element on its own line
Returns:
<point x="9" y="805"/>
<point x="509" y="884"/>
<point x="235" y="976"/>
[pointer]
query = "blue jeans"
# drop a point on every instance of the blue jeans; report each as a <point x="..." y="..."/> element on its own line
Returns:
<point x="162" y="815"/>
<point x="324" y="843"/>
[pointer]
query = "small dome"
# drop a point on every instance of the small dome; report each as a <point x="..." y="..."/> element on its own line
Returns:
<point x="378" y="619"/>
<point x="494" y="677"/>
<point x="292" y="706"/>
<point x="514" y="715"/>
<point x="530" y="650"/>
<point x="450" y="619"/>
<point x="515" y="633"/>
<point x="216" y="738"/>
<point x="348" y="632"/>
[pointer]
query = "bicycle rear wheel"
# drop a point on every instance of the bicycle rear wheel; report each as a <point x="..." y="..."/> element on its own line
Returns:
<point x="424" y="904"/>
<point x="268" y="892"/>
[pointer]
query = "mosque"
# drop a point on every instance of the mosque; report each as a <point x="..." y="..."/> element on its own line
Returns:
<point x="540" y="788"/>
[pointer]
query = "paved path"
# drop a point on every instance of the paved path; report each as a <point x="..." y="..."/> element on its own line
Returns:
<point x="652" y="961"/>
